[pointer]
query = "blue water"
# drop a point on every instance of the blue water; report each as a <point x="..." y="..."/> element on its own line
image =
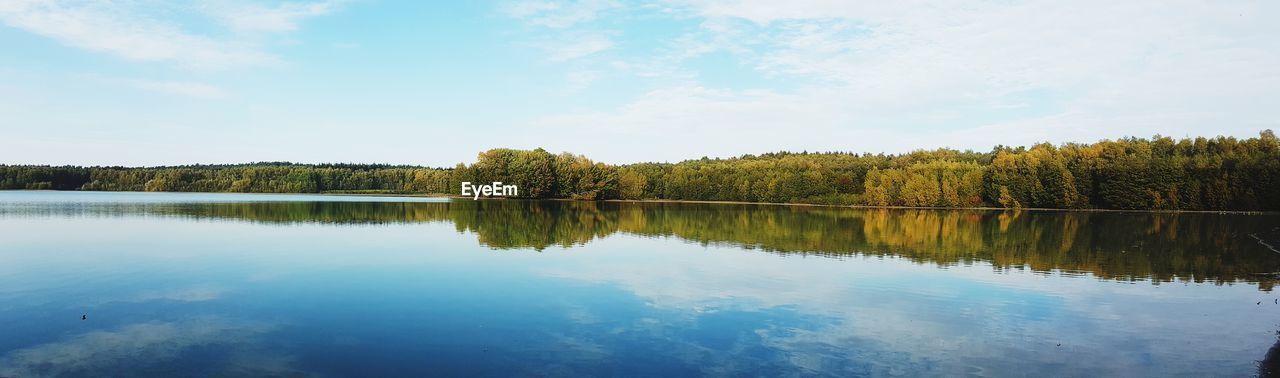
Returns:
<point x="230" y="284"/>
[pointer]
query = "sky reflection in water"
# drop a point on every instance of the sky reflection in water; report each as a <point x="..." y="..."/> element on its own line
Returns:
<point x="188" y="286"/>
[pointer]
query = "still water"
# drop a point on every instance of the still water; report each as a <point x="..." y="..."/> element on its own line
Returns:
<point x="263" y="285"/>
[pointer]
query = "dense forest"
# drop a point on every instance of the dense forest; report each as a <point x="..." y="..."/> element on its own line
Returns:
<point x="1221" y="173"/>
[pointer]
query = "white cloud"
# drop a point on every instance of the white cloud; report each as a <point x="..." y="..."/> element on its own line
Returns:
<point x="694" y="108"/>
<point x="262" y="18"/>
<point x="564" y="43"/>
<point x="579" y="47"/>
<point x="526" y="9"/>
<point x="960" y="74"/>
<point x="579" y="80"/>
<point x="166" y="87"/>
<point x="666" y="124"/>
<point x="558" y="14"/>
<point x="98" y="27"/>
<point x="146" y="33"/>
<point x="184" y="88"/>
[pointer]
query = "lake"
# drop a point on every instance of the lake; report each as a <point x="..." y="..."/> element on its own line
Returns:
<point x="174" y="284"/>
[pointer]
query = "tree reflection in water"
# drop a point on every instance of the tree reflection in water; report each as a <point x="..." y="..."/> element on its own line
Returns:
<point x="1160" y="247"/>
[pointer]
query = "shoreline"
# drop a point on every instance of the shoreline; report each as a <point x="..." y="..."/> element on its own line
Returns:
<point x="859" y="207"/>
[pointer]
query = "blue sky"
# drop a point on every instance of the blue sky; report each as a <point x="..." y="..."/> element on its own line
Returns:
<point x="150" y="82"/>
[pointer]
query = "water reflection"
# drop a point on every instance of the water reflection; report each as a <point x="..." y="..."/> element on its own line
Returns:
<point x="156" y="349"/>
<point x="306" y="287"/>
<point x="1161" y="247"/>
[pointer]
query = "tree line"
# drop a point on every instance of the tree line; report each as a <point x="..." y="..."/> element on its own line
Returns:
<point x="1220" y="173"/>
<point x="246" y="178"/>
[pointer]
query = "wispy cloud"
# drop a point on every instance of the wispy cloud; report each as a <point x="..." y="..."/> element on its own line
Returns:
<point x="249" y="17"/>
<point x="928" y="73"/>
<point x="191" y="89"/>
<point x="578" y="47"/>
<point x="559" y="14"/>
<point x="579" y="80"/>
<point x="566" y="33"/>
<point x="144" y="34"/>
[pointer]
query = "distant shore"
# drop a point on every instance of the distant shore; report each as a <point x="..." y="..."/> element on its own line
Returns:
<point x="1210" y="175"/>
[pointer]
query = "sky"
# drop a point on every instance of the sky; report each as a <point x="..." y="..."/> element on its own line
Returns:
<point x="433" y="82"/>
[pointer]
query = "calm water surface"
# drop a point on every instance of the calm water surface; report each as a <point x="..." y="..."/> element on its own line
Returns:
<point x="260" y="285"/>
